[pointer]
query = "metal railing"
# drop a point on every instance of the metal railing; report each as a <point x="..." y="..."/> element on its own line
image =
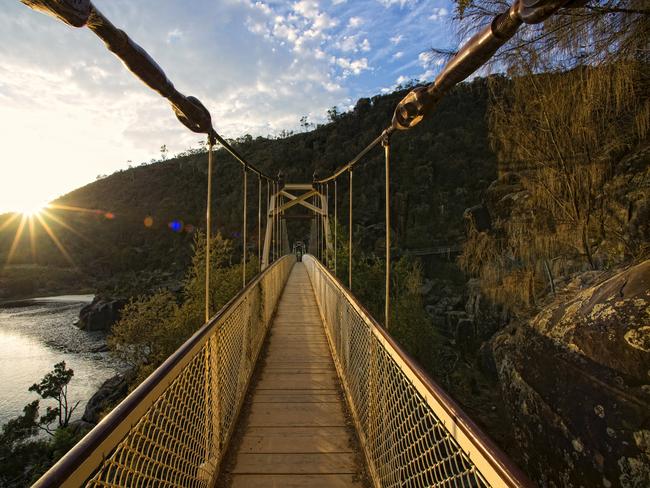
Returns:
<point x="174" y="428"/>
<point x="412" y="433"/>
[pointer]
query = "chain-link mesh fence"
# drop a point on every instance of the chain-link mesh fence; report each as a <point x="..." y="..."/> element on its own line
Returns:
<point x="174" y="428"/>
<point x="413" y="435"/>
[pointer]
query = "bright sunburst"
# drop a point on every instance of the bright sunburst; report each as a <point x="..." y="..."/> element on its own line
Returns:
<point x="32" y="210"/>
<point x="32" y="217"/>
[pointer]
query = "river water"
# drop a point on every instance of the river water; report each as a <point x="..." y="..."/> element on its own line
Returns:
<point x="38" y="333"/>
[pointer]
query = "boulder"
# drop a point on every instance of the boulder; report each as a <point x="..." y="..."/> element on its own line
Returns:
<point x="488" y="316"/>
<point x="101" y="314"/>
<point x="486" y="362"/>
<point x="451" y="320"/>
<point x="79" y="427"/>
<point x="465" y="335"/>
<point x="479" y="217"/>
<point x="426" y="287"/>
<point x="110" y="393"/>
<point x="576" y="382"/>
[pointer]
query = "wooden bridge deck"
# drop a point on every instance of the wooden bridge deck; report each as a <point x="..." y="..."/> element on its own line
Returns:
<point x="295" y="433"/>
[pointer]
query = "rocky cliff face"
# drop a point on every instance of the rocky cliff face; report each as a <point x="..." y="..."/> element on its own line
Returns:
<point x="576" y="380"/>
<point x="101" y="314"/>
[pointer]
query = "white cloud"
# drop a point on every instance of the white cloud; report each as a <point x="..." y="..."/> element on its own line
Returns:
<point x="62" y="84"/>
<point x="332" y="87"/>
<point x="438" y="13"/>
<point x="352" y="66"/>
<point x="425" y="58"/>
<point x="355" y="22"/>
<point x="402" y="79"/>
<point x="264" y="8"/>
<point x="352" y="44"/>
<point x="401" y="3"/>
<point x="428" y="75"/>
<point x="174" y="35"/>
<point x="347" y="44"/>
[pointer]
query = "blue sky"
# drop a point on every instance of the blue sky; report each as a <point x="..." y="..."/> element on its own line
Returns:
<point x="69" y="110"/>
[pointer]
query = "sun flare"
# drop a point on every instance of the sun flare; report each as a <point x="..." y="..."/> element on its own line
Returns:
<point x="32" y="210"/>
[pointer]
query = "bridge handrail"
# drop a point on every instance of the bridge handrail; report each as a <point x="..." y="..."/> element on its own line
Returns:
<point x="412" y="432"/>
<point x="125" y="448"/>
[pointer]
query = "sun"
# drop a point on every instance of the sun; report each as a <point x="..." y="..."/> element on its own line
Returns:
<point x="32" y="210"/>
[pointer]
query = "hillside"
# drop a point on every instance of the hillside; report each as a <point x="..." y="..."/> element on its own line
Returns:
<point x="439" y="169"/>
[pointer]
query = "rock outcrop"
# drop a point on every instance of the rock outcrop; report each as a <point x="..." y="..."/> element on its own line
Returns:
<point x="109" y="394"/>
<point x="576" y="380"/>
<point x="101" y="314"/>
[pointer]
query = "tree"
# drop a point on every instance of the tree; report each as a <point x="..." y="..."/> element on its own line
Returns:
<point x="573" y="107"/>
<point x="304" y="123"/>
<point x="145" y="334"/>
<point x="333" y="114"/>
<point x="54" y="385"/>
<point x="24" y="457"/>
<point x="153" y="326"/>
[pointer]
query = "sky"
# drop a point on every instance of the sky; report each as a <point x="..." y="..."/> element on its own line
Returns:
<point x="70" y="111"/>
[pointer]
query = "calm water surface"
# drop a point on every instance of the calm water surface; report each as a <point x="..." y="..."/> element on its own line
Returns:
<point x="35" y="335"/>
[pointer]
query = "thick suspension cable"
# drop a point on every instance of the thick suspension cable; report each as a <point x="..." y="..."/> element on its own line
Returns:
<point x="356" y="159"/>
<point x="189" y="110"/>
<point x="474" y="54"/>
<point x="240" y="158"/>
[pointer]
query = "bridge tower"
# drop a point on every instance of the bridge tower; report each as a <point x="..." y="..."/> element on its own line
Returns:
<point x="290" y="195"/>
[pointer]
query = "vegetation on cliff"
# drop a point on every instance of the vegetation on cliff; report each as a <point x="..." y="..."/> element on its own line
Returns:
<point x="117" y="229"/>
<point x="556" y="155"/>
<point x="24" y="456"/>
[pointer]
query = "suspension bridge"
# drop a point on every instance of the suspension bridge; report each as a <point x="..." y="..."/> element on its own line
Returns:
<point x="333" y="400"/>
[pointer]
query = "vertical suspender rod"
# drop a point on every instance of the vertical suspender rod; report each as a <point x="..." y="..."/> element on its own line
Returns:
<point x="259" y="222"/>
<point x="350" y="237"/>
<point x="327" y="207"/>
<point x="386" y="143"/>
<point x="244" y="236"/>
<point x="208" y="227"/>
<point x="336" y="223"/>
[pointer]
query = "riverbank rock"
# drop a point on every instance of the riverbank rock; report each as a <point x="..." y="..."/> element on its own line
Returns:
<point x="109" y="394"/>
<point x="101" y="314"/>
<point x="576" y="382"/>
<point x="79" y="427"/>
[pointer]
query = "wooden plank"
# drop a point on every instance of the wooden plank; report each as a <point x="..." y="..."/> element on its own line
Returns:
<point x="296" y="396"/>
<point x="300" y="368"/>
<point x="295" y="463"/>
<point x="295" y="433"/>
<point x="297" y="338"/>
<point x="298" y="353"/>
<point x="296" y="414"/>
<point x="305" y="381"/>
<point x="298" y="329"/>
<point x="282" y="359"/>
<point x="289" y="341"/>
<point x="294" y="481"/>
<point x="295" y="440"/>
